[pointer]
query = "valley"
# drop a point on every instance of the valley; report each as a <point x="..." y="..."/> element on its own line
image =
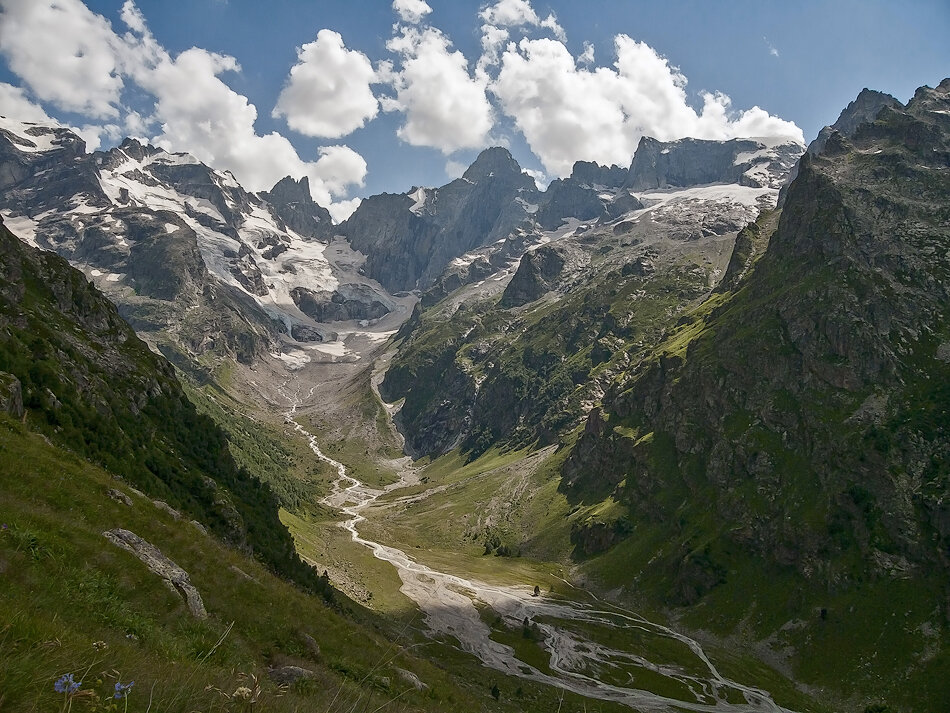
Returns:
<point x="671" y="437"/>
<point x="569" y="639"/>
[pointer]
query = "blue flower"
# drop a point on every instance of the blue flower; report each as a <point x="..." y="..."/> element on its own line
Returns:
<point x="122" y="689"/>
<point x="66" y="684"/>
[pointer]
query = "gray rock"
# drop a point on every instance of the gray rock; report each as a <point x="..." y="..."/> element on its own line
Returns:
<point x="199" y="527"/>
<point x="411" y="678"/>
<point x="293" y="204"/>
<point x="313" y="648"/>
<point x="347" y="302"/>
<point x="165" y="507"/>
<point x="11" y="395"/>
<point x="408" y="246"/>
<point x="289" y="675"/>
<point x="119" y="496"/>
<point x="174" y="577"/>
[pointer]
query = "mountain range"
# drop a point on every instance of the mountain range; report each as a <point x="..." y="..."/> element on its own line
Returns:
<point x="718" y="379"/>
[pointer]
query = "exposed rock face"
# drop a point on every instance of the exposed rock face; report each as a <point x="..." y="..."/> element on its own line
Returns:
<point x="347" y="302"/>
<point x="591" y="174"/>
<point x="289" y="675"/>
<point x="174" y="577"/>
<point x="409" y="239"/>
<point x="864" y="109"/>
<point x="536" y="275"/>
<point x="569" y="199"/>
<point x="691" y="162"/>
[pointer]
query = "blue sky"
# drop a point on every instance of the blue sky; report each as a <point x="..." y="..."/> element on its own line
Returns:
<point x="407" y="109"/>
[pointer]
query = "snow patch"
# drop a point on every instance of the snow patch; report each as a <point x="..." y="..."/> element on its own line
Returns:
<point x="21" y="226"/>
<point x="419" y="196"/>
<point x="42" y="138"/>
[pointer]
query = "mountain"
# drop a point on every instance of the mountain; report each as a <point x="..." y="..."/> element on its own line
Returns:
<point x="787" y="446"/>
<point x="409" y="238"/>
<point x="193" y="261"/>
<point x="518" y="339"/>
<point x="73" y="370"/>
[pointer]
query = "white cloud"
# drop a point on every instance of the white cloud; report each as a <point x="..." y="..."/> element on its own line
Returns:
<point x="587" y="56"/>
<point x="445" y="106"/>
<point x="568" y="113"/>
<point x="133" y="17"/>
<point x="518" y="13"/>
<point x="328" y="92"/>
<point x="411" y="11"/>
<point x="340" y="167"/>
<point x="541" y="179"/>
<point x="454" y="169"/>
<point x="341" y="210"/>
<point x="772" y="49"/>
<point x="65" y="53"/>
<point x="15" y="104"/>
<point x="493" y="40"/>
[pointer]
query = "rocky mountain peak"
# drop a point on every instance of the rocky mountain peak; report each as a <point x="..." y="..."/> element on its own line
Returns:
<point x="494" y="161"/>
<point x="293" y="204"/>
<point x="134" y="148"/>
<point x="289" y="190"/>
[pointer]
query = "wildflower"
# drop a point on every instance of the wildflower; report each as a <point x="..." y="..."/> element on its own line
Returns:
<point x="122" y="689"/>
<point x="99" y="645"/>
<point x="243" y="692"/>
<point x="66" y="684"/>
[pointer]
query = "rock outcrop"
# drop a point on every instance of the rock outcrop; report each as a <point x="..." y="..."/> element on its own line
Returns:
<point x="174" y="577"/>
<point x="536" y="274"/>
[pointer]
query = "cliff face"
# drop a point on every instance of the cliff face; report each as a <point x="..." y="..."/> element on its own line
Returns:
<point x="803" y="421"/>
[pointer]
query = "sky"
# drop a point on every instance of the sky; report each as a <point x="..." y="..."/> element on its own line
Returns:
<point x="369" y="96"/>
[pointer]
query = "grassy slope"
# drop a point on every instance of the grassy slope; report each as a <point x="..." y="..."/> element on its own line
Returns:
<point x="63" y="587"/>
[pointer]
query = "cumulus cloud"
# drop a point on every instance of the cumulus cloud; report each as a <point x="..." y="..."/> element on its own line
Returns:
<point x="15" y="104"/>
<point x="66" y="54"/>
<point x="411" y="11"/>
<point x="328" y="92"/>
<point x="446" y="107"/>
<point x="569" y="113"/>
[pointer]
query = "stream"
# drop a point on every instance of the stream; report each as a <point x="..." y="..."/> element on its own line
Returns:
<point x="578" y="662"/>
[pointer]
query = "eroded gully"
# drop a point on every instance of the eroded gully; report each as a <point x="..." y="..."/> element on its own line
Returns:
<point x="578" y="663"/>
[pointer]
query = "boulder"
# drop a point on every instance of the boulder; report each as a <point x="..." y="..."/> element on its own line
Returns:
<point x="174" y="577"/>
